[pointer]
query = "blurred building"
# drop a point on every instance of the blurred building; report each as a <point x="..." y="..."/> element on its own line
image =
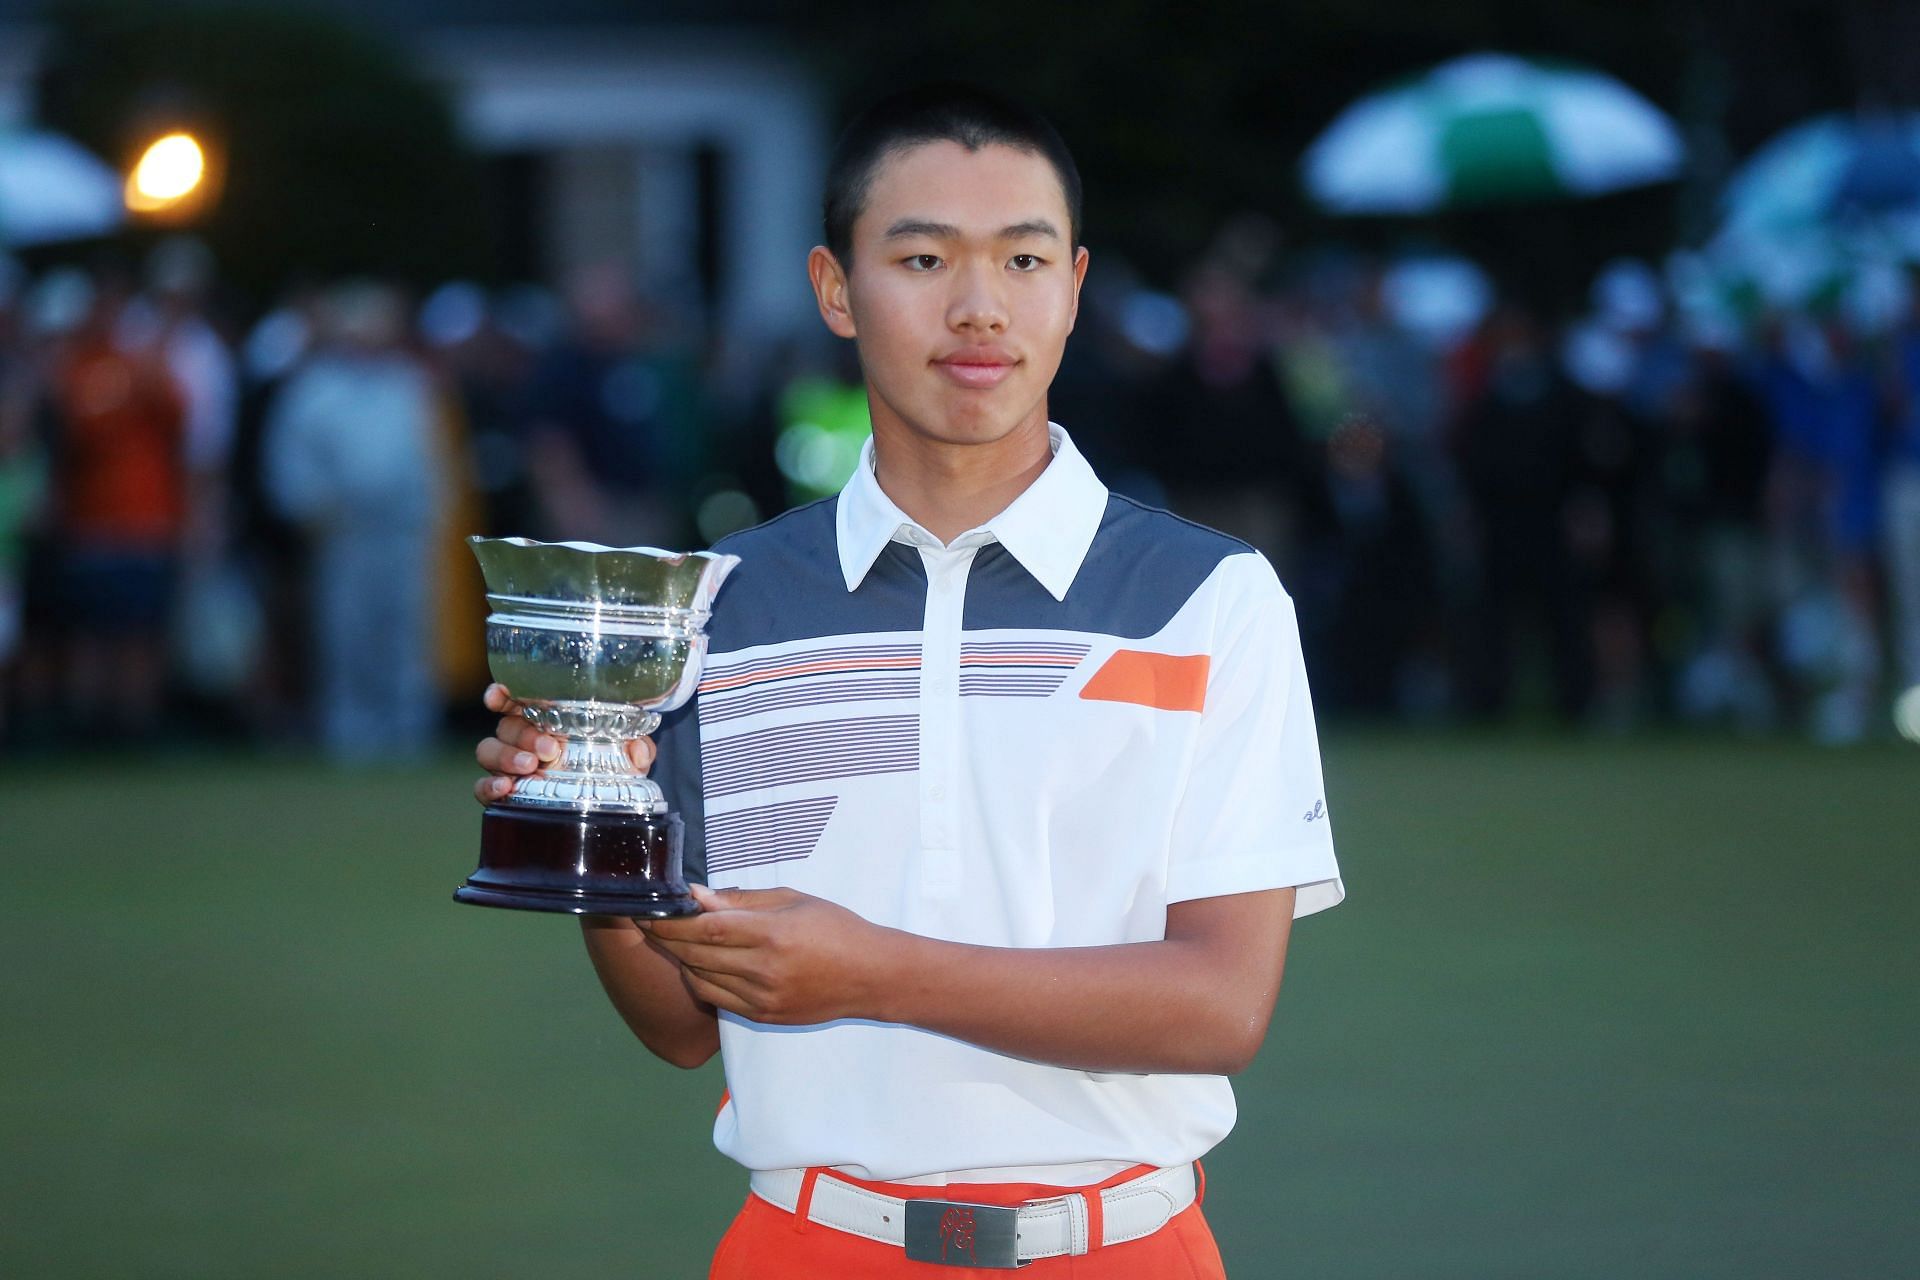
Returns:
<point x="697" y="157"/>
<point x="693" y="153"/>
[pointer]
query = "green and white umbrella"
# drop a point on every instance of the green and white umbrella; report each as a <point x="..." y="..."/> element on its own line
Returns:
<point x="1490" y="129"/>
<point x="52" y="189"/>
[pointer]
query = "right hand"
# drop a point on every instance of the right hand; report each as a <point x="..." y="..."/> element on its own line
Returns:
<point x="518" y="749"/>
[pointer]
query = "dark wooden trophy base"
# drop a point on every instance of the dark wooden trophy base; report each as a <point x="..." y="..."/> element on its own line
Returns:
<point x="616" y="864"/>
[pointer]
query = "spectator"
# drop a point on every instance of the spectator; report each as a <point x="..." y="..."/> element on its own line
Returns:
<point x="23" y="479"/>
<point x="1714" y="476"/>
<point x="1223" y="438"/>
<point x="122" y="513"/>
<point x="1517" y="463"/>
<point x="613" y="416"/>
<point x="349" y="455"/>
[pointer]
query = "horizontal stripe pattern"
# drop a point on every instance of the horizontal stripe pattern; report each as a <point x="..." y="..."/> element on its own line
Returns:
<point x="810" y="752"/>
<point x="1022" y="653"/>
<point x="1010" y="686"/>
<point x="809" y="693"/>
<point x="768" y="833"/>
<point x="1017" y="668"/>
<point x="722" y="677"/>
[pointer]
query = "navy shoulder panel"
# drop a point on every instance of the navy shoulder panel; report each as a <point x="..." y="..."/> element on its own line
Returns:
<point x="1144" y="564"/>
<point x="788" y="585"/>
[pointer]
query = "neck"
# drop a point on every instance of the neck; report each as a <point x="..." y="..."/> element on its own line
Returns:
<point x="949" y="488"/>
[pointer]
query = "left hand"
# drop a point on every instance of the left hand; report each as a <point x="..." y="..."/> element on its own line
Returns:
<point x="776" y="955"/>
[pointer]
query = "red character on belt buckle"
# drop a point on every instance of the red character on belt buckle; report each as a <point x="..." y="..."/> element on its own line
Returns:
<point x="956" y="1228"/>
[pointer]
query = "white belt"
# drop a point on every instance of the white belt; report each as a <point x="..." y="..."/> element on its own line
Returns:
<point x="1042" y="1228"/>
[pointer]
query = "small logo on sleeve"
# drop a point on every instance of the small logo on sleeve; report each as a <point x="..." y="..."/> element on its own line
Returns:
<point x="1316" y="813"/>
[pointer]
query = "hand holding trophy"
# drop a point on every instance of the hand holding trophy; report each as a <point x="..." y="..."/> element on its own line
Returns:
<point x="595" y="643"/>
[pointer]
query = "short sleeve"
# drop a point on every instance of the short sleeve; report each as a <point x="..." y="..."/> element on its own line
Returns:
<point x="1252" y="813"/>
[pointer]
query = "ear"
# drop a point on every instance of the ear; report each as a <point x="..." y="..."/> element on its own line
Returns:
<point x="830" y="290"/>
<point x="1080" y="259"/>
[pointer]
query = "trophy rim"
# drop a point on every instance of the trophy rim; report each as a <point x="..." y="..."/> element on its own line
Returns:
<point x="597" y="548"/>
<point x="542" y="578"/>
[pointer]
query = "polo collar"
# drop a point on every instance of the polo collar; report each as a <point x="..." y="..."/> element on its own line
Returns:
<point x="1048" y="528"/>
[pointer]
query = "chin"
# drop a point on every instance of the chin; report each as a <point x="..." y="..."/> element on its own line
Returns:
<point x="978" y="422"/>
<point x="972" y="429"/>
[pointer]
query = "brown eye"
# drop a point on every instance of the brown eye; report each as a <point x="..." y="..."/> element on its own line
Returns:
<point x="1025" y="262"/>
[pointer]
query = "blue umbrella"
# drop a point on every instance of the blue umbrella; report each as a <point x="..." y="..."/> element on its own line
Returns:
<point x="1827" y="169"/>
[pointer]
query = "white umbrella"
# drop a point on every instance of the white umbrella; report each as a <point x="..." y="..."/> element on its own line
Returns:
<point x="52" y="189"/>
<point x="1490" y="128"/>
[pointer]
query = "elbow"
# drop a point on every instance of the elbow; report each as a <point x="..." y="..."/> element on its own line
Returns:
<point x="687" y="1059"/>
<point x="1236" y="1056"/>
<point x="687" y="1053"/>
<point x="1238" y="1043"/>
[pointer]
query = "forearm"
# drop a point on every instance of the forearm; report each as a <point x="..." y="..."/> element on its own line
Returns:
<point x="646" y="988"/>
<point x="1184" y="1005"/>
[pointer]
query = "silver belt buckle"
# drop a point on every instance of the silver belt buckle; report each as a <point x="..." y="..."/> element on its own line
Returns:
<point x="951" y="1233"/>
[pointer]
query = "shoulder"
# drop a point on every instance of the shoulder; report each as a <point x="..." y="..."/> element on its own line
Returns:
<point x="1150" y="544"/>
<point x="1129" y="519"/>
<point x="788" y="584"/>
<point x="798" y="531"/>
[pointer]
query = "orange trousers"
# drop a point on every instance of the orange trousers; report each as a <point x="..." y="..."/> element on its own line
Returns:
<point x="769" y="1243"/>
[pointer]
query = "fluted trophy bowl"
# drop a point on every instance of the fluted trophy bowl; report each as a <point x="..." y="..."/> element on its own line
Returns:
<point x="595" y="643"/>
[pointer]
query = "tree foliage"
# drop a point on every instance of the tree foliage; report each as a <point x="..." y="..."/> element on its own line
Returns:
<point x="335" y="155"/>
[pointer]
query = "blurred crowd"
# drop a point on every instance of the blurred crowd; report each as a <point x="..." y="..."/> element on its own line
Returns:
<point x="1638" y="513"/>
<point x="258" y="529"/>
<point x="253" y="524"/>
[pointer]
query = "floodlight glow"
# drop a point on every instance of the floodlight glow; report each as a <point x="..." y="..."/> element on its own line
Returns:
<point x="170" y="171"/>
<point x="1906" y="714"/>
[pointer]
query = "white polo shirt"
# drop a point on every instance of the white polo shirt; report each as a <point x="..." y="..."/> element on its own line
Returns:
<point x="1039" y="735"/>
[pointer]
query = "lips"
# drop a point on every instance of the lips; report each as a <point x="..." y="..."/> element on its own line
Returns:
<point x="979" y="370"/>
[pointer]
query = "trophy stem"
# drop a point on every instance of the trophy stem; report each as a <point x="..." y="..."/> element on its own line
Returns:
<point x="593" y="773"/>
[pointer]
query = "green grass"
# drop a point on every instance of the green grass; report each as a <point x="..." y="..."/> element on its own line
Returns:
<point x="1593" y="1009"/>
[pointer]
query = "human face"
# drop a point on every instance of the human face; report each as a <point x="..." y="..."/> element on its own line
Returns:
<point x="961" y="291"/>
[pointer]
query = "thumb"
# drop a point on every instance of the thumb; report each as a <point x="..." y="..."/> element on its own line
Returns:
<point x="735" y="899"/>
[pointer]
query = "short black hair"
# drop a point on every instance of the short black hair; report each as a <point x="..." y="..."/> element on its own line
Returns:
<point x="958" y="113"/>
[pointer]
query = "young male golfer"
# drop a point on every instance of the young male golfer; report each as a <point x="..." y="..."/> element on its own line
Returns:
<point x="1005" y="788"/>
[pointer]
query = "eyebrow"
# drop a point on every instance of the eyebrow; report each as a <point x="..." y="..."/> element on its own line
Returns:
<point x="908" y="227"/>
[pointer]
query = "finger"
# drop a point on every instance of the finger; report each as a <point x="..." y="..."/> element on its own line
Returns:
<point x="716" y="995"/>
<point x="496" y="756"/>
<point x="659" y="948"/>
<point x="497" y="699"/>
<point x="708" y="957"/>
<point x="524" y="734"/>
<point x="740" y="899"/>
<point x="739" y="984"/>
<point x="491" y="788"/>
<point x="642" y="752"/>
<point x="713" y="928"/>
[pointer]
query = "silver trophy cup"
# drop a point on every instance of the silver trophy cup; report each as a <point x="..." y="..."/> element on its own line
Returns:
<point x="594" y="643"/>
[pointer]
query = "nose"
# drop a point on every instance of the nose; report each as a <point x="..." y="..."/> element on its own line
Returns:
<point x="977" y="305"/>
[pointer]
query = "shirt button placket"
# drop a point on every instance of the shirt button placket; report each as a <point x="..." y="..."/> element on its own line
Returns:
<point x="940" y="717"/>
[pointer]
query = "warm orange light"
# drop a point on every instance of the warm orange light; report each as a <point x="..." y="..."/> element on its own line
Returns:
<point x="169" y="172"/>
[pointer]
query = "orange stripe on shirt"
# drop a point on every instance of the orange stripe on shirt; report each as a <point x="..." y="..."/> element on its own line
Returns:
<point x="1163" y="681"/>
